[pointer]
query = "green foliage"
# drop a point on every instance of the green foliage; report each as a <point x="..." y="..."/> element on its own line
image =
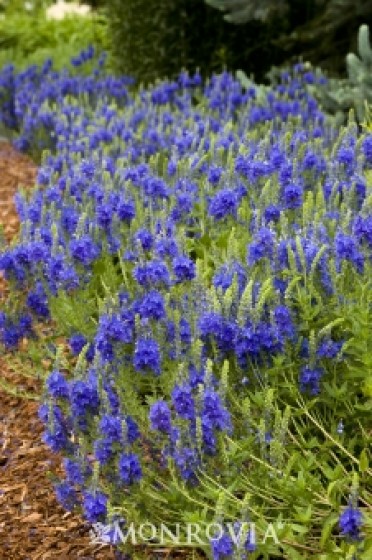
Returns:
<point x="154" y="39"/>
<point x="30" y="38"/>
<point x="17" y="6"/>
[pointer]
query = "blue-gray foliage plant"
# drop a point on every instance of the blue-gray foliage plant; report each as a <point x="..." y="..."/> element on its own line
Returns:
<point x="337" y="96"/>
<point x="242" y="11"/>
<point x="355" y="91"/>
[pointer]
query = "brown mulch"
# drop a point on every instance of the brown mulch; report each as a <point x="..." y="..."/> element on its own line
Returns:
<point x="16" y="170"/>
<point x="32" y="524"/>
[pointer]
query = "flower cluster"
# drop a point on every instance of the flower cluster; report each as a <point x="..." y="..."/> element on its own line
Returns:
<point x="202" y="246"/>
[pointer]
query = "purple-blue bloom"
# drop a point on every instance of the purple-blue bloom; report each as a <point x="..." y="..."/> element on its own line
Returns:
<point x="160" y="417"/>
<point x="224" y="203"/>
<point x="130" y="470"/>
<point x="95" y="506"/>
<point x="350" y="522"/>
<point x="57" y="385"/>
<point x="147" y="356"/>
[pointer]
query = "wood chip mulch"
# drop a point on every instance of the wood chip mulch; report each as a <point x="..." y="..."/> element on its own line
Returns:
<point x="32" y="524"/>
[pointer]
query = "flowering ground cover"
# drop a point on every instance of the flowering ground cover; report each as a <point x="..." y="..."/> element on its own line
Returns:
<point x="206" y="252"/>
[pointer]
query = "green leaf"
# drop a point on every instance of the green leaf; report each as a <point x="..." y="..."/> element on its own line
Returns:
<point x="363" y="461"/>
<point x="327" y="528"/>
<point x="304" y="515"/>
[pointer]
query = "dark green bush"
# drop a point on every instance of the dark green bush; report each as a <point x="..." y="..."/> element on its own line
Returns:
<point x="153" y="39"/>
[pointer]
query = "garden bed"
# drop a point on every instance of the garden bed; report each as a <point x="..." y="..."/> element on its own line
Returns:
<point x="201" y="253"/>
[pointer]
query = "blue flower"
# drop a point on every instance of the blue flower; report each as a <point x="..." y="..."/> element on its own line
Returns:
<point x="66" y="495"/>
<point x="329" y="349"/>
<point x="57" y="385"/>
<point x="84" y="250"/>
<point x="130" y="470"/>
<point x="214" y="175"/>
<point x="223" y="278"/>
<point x="95" y="506"/>
<point x="74" y="472"/>
<point x="160" y="417"/>
<point x="103" y="451"/>
<point x="222" y="547"/>
<point x="214" y="413"/>
<point x="209" y="323"/>
<point x="10" y="336"/>
<point x="110" y="427"/>
<point x="56" y="436"/>
<point x="77" y="342"/>
<point x="37" y="301"/>
<point x="146" y="239"/>
<point x="224" y="203"/>
<point x="88" y="168"/>
<point x="346" y="156"/>
<point x="261" y="246"/>
<point x="69" y="219"/>
<point x="126" y="210"/>
<point x="153" y="273"/>
<point x="362" y="229"/>
<point x="115" y="328"/>
<point x="283" y="320"/>
<point x="183" y="268"/>
<point x="347" y="249"/>
<point x="185" y="331"/>
<point x="183" y="401"/>
<point x="133" y="432"/>
<point x="367" y="150"/>
<point x="187" y="462"/>
<point x="310" y="379"/>
<point x="272" y="213"/>
<point x="253" y="340"/>
<point x="83" y="397"/>
<point x="293" y="196"/>
<point x="350" y="522"/>
<point x="165" y="247"/>
<point x="152" y="306"/>
<point x="104" y="215"/>
<point x="147" y="355"/>
<point x="223" y="331"/>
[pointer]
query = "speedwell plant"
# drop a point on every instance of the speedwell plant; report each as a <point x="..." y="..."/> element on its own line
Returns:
<point x="206" y="252"/>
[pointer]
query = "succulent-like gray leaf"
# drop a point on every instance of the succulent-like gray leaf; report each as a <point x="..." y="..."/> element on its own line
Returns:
<point x="364" y="46"/>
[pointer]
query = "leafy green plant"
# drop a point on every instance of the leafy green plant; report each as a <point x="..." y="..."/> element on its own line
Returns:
<point x="28" y="38"/>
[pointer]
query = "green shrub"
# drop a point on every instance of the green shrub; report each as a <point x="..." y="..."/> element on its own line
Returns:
<point x="151" y="39"/>
<point x="30" y="38"/>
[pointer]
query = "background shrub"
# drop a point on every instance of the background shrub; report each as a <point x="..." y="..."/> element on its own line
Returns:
<point x="151" y="39"/>
<point x="27" y="37"/>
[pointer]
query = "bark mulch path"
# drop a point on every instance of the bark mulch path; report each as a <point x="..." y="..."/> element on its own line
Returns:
<point x="32" y="524"/>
